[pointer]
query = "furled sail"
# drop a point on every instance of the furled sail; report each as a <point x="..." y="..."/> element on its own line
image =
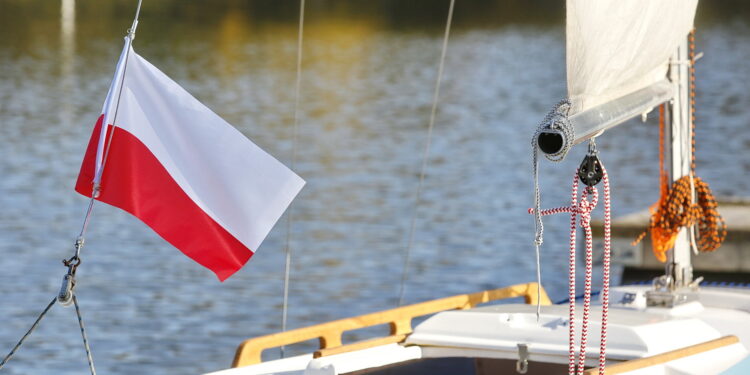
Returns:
<point x="616" y="47"/>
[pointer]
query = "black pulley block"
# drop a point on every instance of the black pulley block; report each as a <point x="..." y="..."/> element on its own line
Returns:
<point x="590" y="171"/>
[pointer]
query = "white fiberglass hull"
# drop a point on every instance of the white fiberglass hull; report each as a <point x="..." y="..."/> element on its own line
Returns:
<point x="490" y="335"/>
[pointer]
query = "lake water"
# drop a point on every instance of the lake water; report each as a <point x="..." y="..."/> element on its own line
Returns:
<point x="369" y="70"/>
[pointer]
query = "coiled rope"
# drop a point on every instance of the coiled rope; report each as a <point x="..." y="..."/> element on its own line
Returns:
<point x="678" y="210"/>
<point x="678" y="206"/>
<point x="556" y="121"/>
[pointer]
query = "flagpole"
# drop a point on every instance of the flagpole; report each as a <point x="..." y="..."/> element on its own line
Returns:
<point x="101" y="154"/>
<point x="116" y="86"/>
<point x="131" y="30"/>
<point x="66" y="295"/>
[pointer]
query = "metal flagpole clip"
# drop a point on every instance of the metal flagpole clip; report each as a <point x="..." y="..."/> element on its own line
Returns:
<point x="590" y="171"/>
<point x="131" y="30"/>
<point x="96" y="190"/>
<point x="65" y="296"/>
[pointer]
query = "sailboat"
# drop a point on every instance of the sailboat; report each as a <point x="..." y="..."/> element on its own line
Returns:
<point x="623" y="60"/>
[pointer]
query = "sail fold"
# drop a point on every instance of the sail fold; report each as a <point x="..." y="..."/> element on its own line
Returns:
<point x="616" y="47"/>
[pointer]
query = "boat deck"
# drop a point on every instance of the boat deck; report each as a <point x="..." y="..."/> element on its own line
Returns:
<point x="486" y="339"/>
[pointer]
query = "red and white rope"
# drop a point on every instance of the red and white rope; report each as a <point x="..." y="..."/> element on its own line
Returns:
<point x="572" y="281"/>
<point x="605" y="271"/>
<point x="582" y="209"/>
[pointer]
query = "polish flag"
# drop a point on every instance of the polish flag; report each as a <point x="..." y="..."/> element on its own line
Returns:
<point x="181" y="169"/>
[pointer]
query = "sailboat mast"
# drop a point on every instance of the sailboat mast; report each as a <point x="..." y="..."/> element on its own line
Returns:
<point x="680" y="155"/>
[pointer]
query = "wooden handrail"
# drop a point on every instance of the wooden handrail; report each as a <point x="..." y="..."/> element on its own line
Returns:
<point x="359" y="345"/>
<point x="329" y="334"/>
<point x="639" y="363"/>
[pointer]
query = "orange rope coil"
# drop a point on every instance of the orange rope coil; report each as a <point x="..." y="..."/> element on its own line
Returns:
<point x="678" y="210"/>
<point x="677" y="206"/>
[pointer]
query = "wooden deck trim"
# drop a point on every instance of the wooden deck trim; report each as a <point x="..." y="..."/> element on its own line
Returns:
<point x="359" y="345"/>
<point x="329" y="334"/>
<point x="662" y="358"/>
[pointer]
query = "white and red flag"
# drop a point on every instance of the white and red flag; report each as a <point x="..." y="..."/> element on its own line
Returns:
<point x="181" y="169"/>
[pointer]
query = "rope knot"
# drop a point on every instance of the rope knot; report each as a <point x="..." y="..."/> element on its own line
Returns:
<point x="585" y="207"/>
<point x="589" y="199"/>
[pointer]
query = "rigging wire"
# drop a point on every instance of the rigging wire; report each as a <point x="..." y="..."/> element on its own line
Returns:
<point x="85" y="338"/>
<point x="28" y="333"/>
<point x="288" y="260"/>
<point x="425" y="155"/>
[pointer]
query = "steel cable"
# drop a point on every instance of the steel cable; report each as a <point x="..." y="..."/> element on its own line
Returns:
<point x="425" y="156"/>
<point x="28" y="333"/>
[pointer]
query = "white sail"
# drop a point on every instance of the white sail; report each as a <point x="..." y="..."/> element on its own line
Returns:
<point x="615" y="47"/>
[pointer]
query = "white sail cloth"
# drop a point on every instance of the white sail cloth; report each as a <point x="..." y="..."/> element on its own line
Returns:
<point x="615" y="47"/>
